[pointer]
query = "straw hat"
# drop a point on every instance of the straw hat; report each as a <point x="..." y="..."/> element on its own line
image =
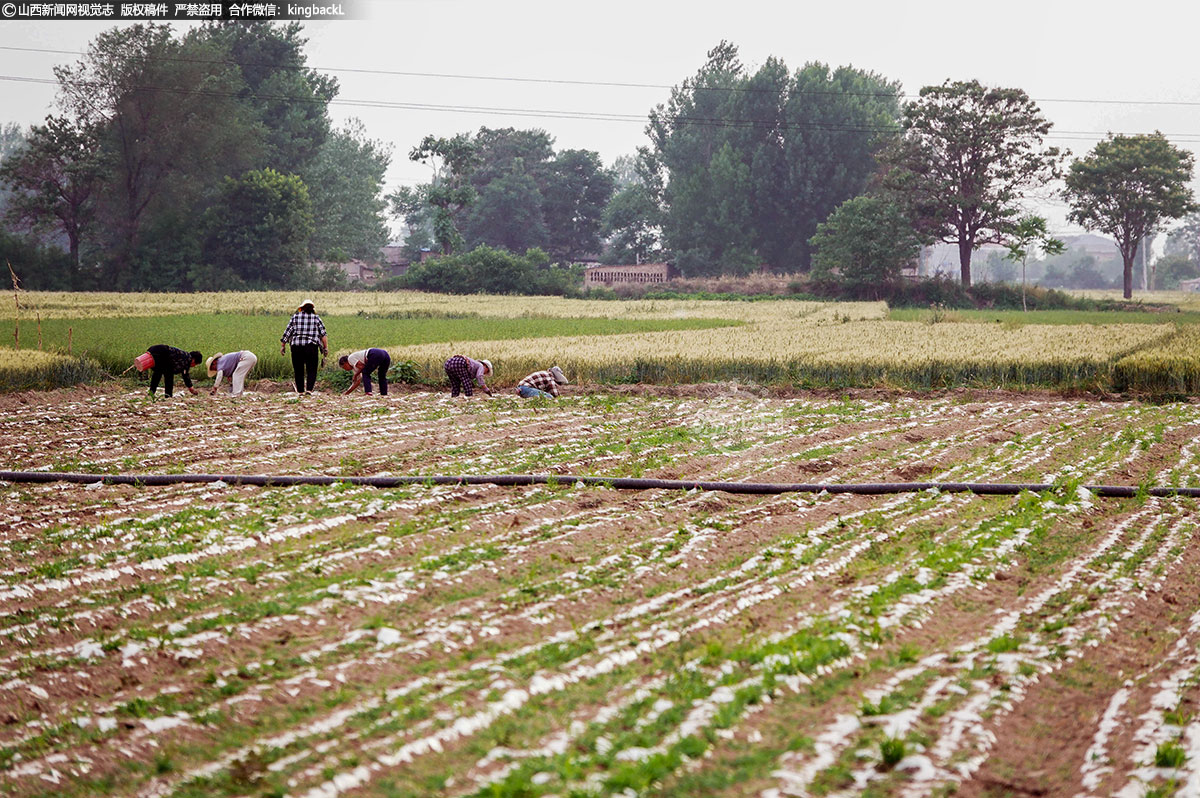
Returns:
<point x="558" y="375"/>
<point x="307" y="302"/>
<point x="211" y="364"/>
<point x="487" y="364"/>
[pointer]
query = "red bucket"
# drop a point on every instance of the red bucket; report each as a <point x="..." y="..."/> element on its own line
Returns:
<point x="144" y="361"/>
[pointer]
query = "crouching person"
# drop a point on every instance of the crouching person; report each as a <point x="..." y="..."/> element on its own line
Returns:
<point x="169" y="361"/>
<point x="542" y="384"/>
<point x="234" y="367"/>
<point x="362" y="363"/>
<point x="464" y="373"/>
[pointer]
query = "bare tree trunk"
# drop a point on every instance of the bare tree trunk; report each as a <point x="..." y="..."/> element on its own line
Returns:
<point x="964" y="261"/>
<point x="1128" y="258"/>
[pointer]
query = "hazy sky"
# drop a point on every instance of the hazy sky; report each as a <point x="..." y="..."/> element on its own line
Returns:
<point x="1092" y="66"/>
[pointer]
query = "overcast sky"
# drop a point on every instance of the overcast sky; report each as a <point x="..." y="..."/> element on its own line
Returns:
<point x="1092" y="66"/>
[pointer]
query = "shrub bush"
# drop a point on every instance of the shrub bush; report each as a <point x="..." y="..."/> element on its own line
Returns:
<point x="485" y="270"/>
<point x="948" y="292"/>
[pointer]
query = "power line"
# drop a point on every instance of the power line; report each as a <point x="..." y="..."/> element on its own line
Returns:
<point x="590" y="116"/>
<point x="598" y="83"/>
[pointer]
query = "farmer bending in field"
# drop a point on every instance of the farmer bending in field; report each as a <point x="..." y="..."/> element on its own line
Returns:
<point x="169" y="361"/>
<point x="235" y="366"/>
<point x="362" y="363"/>
<point x="542" y="384"/>
<point x="306" y="334"/>
<point x="462" y="371"/>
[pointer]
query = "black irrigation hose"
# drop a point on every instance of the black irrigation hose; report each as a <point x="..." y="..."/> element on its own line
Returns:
<point x="622" y="483"/>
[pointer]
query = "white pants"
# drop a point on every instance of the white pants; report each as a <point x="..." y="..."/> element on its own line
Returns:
<point x="246" y="362"/>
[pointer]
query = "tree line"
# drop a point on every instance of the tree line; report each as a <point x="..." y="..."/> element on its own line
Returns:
<point x="195" y="162"/>
<point x="208" y="161"/>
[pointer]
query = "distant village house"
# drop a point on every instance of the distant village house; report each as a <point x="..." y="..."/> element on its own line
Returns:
<point x="395" y="264"/>
<point x="392" y="263"/>
<point x="608" y="276"/>
<point x="355" y="270"/>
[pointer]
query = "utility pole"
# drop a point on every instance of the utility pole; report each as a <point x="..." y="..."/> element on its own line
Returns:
<point x="1143" y="246"/>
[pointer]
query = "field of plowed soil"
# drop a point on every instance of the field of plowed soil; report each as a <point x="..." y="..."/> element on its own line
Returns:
<point x="210" y="640"/>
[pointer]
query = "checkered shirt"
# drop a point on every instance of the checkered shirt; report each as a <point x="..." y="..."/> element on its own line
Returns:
<point x="304" y="328"/>
<point x="543" y="381"/>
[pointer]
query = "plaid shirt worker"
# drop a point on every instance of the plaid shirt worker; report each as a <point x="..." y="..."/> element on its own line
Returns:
<point x="541" y="380"/>
<point x="304" y="328"/>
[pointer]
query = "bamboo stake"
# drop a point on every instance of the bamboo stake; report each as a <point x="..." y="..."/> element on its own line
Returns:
<point x="17" y="302"/>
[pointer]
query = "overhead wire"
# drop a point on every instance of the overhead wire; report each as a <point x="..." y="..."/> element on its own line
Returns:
<point x="592" y="116"/>
<point x="597" y="83"/>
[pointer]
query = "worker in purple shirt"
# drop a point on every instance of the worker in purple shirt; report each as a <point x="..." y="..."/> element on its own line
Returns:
<point x="234" y="367"/>
<point x="463" y="372"/>
<point x="362" y="363"/>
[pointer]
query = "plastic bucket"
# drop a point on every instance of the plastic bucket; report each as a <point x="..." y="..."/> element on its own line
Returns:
<point x="144" y="361"/>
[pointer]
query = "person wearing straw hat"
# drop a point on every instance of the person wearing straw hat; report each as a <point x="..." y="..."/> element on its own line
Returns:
<point x="169" y="361"/>
<point x="463" y="371"/>
<point x="306" y="335"/>
<point x="362" y="363"/>
<point x="542" y="384"/>
<point x="234" y="366"/>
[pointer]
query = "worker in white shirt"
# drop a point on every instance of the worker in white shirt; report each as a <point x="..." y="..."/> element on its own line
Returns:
<point x="362" y="363"/>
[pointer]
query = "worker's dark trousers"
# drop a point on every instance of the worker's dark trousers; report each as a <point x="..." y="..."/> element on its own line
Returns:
<point x="304" y="365"/>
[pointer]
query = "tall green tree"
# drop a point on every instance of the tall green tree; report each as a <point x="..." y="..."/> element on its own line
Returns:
<point x="754" y="162"/>
<point x="1171" y="269"/>
<point x="450" y="193"/>
<point x="408" y="204"/>
<point x="172" y="128"/>
<point x="508" y="213"/>
<point x="967" y="155"/>
<point x="577" y="189"/>
<point x="55" y="178"/>
<point x="1128" y="185"/>
<point x="633" y="217"/>
<point x="258" y="233"/>
<point x="498" y="149"/>
<point x="508" y="188"/>
<point x="168" y="118"/>
<point x="630" y="227"/>
<point x="865" y="242"/>
<point x="705" y="194"/>
<point x="835" y="121"/>
<point x="12" y="139"/>
<point x="347" y="203"/>
<point x="1184" y="240"/>
<point x="286" y="98"/>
